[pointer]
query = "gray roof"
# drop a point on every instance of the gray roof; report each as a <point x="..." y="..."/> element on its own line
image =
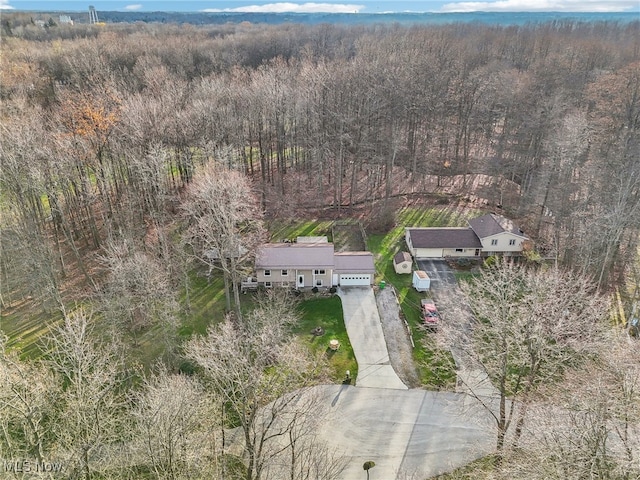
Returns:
<point x="402" y="257"/>
<point x="492" y="224"/>
<point x="457" y="237"/>
<point x="354" y="262"/>
<point x="295" y="255"/>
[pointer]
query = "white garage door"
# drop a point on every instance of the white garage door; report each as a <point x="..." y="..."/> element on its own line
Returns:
<point x="429" y="253"/>
<point x="352" y="280"/>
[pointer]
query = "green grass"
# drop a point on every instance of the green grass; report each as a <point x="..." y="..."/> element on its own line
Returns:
<point x="433" y="365"/>
<point x="26" y="331"/>
<point x="326" y="312"/>
<point x="291" y="229"/>
<point x="206" y="305"/>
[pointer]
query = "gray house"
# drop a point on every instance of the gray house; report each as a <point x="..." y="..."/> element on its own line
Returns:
<point x="312" y="264"/>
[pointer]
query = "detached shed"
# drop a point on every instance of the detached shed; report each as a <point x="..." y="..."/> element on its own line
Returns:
<point x="421" y="281"/>
<point x="402" y="262"/>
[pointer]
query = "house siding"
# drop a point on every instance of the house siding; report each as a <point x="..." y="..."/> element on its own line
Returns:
<point x="466" y="252"/>
<point x="502" y="245"/>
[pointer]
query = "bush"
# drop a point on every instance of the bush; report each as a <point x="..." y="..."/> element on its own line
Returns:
<point x="463" y="262"/>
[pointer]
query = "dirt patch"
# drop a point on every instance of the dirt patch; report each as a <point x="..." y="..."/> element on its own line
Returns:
<point x="397" y="338"/>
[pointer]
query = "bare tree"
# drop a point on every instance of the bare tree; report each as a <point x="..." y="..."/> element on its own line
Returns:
<point x="586" y="427"/>
<point x="175" y="427"/>
<point x="27" y="404"/>
<point x="223" y="224"/>
<point x="259" y="372"/>
<point x="138" y="292"/>
<point x="89" y="415"/>
<point x="525" y="326"/>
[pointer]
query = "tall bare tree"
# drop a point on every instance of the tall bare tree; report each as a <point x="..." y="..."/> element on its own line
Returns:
<point x="27" y="405"/>
<point x="524" y="326"/>
<point x="224" y="224"/>
<point x="175" y="427"/>
<point x="138" y="292"/>
<point x="258" y="370"/>
<point x="89" y="415"/>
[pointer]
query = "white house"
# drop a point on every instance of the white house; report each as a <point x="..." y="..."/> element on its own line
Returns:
<point x="489" y="234"/>
<point x="498" y="235"/>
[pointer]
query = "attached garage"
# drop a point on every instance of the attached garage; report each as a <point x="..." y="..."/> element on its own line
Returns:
<point x="355" y="280"/>
<point x="354" y="269"/>
<point x="421" y="253"/>
<point x="425" y="243"/>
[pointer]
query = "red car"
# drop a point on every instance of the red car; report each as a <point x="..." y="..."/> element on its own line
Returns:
<point x="430" y="315"/>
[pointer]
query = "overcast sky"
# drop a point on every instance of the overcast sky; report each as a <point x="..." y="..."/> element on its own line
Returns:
<point x="362" y="6"/>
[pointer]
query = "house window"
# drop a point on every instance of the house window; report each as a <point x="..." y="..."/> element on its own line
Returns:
<point x="267" y="273"/>
<point x="285" y="273"/>
<point x="318" y="283"/>
<point x="319" y="272"/>
<point x="512" y="242"/>
<point x="494" y="241"/>
<point x="460" y="250"/>
<point x="267" y="284"/>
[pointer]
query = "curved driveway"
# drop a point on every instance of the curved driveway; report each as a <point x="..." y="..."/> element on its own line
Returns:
<point x="362" y="320"/>
<point x="408" y="434"/>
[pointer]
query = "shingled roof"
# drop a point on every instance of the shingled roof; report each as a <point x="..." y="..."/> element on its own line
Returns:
<point x="402" y="257"/>
<point x="458" y="237"/>
<point x="295" y="255"/>
<point x="492" y="224"/>
<point x="354" y="262"/>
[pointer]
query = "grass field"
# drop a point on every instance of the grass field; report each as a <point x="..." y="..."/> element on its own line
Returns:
<point x="279" y="231"/>
<point x="326" y="312"/>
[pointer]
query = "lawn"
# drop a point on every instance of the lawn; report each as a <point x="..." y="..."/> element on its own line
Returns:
<point x="289" y="230"/>
<point x="433" y="364"/>
<point x="326" y="312"/>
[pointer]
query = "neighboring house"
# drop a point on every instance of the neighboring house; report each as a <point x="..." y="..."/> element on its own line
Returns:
<point x="402" y="262"/>
<point x="489" y="234"/>
<point x="306" y="265"/>
<point x="442" y="242"/>
<point x="498" y="234"/>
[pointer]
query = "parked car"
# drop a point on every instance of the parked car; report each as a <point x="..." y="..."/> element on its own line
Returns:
<point x="430" y="315"/>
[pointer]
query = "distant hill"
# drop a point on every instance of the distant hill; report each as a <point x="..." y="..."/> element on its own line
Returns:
<point x="203" y="18"/>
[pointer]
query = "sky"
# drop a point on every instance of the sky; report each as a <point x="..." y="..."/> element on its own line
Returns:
<point x="328" y="6"/>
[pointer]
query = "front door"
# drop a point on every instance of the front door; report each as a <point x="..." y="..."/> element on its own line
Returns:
<point x="300" y="281"/>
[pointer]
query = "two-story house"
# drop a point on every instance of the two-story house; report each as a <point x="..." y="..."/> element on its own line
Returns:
<point x="489" y="234"/>
<point x="306" y="264"/>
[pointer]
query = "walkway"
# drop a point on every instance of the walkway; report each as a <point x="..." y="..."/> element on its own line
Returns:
<point x="362" y="320"/>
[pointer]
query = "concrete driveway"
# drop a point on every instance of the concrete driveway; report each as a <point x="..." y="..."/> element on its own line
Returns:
<point x="444" y="288"/>
<point x="362" y="320"/>
<point x="439" y="272"/>
<point x="408" y="434"/>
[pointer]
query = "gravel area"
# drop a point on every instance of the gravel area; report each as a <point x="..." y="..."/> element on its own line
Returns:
<point x="397" y="337"/>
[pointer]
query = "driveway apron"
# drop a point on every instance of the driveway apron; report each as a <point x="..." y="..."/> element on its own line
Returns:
<point x="362" y="320"/>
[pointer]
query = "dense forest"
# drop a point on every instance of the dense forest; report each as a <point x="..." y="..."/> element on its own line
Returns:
<point x="330" y="116"/>
<point x="105" y="129"/>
